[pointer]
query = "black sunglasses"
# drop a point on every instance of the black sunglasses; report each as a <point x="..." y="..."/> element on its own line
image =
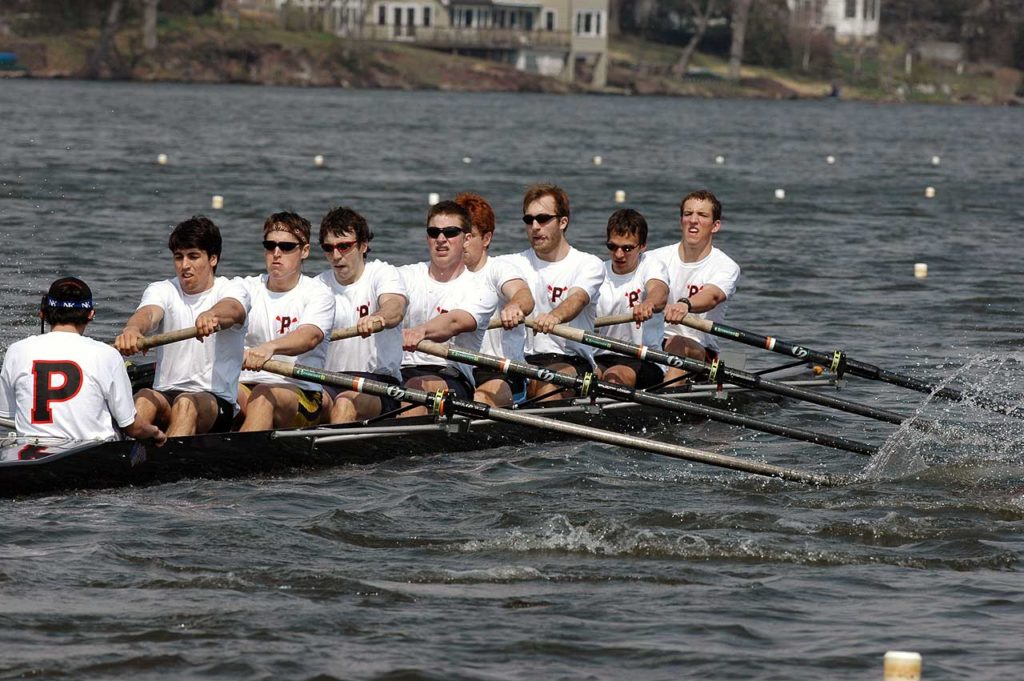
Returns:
<point x="285" y="246"/>
<point x="542" y="218"/>
<point x="449" y="232"/>
<point x="625" y="249"/>
<point x="340" y="247"/>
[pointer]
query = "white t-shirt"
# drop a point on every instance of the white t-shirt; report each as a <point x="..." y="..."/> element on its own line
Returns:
<point x="620" y="293"/>
<point x="498" y="271"/>
<point x="687" y="279"/>
<point x="381" y="353"/>
<point x="429" y="298"/>
<point x="212" y="366"/>
<point x="275" y="314"/>
<point x="64" y="385"/>
<point x="550" y="283"/>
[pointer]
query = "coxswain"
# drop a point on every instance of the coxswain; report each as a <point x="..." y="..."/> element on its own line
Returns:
<point x="565" y="283"/>
<point x="634" y="284"/>
<point x="63" y="385"/>
<point x="372" y="293"/>
<point x="446" y="302"/>
<point x="702" y="279"/>
<point x="196" y="383"/>
<point x="290" y="315"/>
<point x="515" y="302"/>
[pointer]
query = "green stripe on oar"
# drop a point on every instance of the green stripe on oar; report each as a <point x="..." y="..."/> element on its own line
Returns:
<point x="839" y="363"/>
<point x="585" y="384"/>
<point x="717" y="371"/>
<point x="439" y="402"/>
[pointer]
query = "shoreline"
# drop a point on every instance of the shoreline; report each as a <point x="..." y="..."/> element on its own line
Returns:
<point x="193" y="52"/>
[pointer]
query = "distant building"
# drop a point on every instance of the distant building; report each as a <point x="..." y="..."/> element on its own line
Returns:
<point x="542" y="36"/>
<point x="847" y="20"/>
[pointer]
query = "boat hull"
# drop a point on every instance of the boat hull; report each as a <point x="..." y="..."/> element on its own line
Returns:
<point x="39" y="469"/>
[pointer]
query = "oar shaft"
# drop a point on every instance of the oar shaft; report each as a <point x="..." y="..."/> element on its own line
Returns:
<point x="715" y="371"/>
<point x="836" y="361"/>
<point x="438" y="402"/>
<point x="584" y="384"/>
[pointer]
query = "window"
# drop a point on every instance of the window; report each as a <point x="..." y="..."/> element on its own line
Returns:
<point x="590" y="23"/>
<point x="528" y="21"/>
<point x="549" y="20"/>
<point x="426" y="17"/>
<point x="851" y="9"/>
<point x="382" y="15"/>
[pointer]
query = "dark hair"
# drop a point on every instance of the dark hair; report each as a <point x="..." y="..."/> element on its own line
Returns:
<point x="703" y="195"/>
<point x="539" y="191"/>
<point x="196" y="232"/>
<point x="69" y="301"/>
<point x="343" y="220"/>
<point x="451" y="208"/>
<point x="628" y="222"/>
<point x="288" y="222"/>
<point x="480" y="212"/>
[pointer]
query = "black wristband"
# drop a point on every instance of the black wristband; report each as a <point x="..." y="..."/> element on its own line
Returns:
<point x="689" y="305"/>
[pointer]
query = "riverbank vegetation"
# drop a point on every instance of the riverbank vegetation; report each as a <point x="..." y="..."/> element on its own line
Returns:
<point x="671" y="49"/>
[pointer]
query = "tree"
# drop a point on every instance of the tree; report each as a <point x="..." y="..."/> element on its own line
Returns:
<point x="149" y="24"/>
<point x="740" y="15"/>
<point x="101" y="56"/>
<point x="702" y="11"/>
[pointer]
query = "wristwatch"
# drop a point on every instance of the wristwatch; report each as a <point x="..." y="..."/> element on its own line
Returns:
<point x="689" y="305"/>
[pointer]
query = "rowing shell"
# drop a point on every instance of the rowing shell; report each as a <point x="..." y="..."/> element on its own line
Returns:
<point x="27" y="469"/>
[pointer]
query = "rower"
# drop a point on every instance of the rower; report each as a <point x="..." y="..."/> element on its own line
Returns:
<point x="514" y="299"/>
<point x="636" y="284"/>
<point x="373" y="293"/>
<point x="565" y="284"/>
<point x="702" y="278"/>
<point x="290" y="315"/>
<point x="64" y="385"/>
<point x="446" y="301"/>
<point x="196" y="383"/>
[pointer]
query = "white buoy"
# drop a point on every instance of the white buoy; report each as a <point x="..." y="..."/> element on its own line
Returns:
<point x="921" y="270"/>
<point x="901" y="666"/>
<point x="161" y="159"/>
<point x="719" y="160"/>
<point x="936" y="160"/>
<point x="318" y="161"/>
<point x="217" y="202"/>
<point x="467" y="160"/>
<point x="780" y="194"/>
<point x="433" y="198"/>
<point x="929" y="192"/>
<point x="830" y="159"/>
<point x="598" y="160"/>
<point x="620" y="196"/>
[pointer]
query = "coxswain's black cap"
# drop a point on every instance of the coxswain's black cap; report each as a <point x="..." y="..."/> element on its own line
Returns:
<point x="69" y="293"/>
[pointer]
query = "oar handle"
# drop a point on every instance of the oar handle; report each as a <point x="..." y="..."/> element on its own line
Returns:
<point x="695" y="322"/>
<point x="156" y="341"/>
<point x="353" y="331"/>
<point x="610" y="320"/>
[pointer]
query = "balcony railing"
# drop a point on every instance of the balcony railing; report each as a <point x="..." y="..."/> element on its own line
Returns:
<point x="478" y="38"/>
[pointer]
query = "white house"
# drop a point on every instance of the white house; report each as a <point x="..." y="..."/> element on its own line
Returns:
<point x="849" y="20"/>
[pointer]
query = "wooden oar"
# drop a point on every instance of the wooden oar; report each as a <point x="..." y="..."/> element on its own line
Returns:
<point x="588" y="384"/>
<point x="716" y="370"/>
<point x="148" y="342"/>
<point x="839" y="363"/>
<point x="440" y="402"/>
<point x="351" y="332"/>
<point x="610" y="320"/>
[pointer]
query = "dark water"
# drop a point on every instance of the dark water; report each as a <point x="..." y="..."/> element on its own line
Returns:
<point x="553" y="561"/>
